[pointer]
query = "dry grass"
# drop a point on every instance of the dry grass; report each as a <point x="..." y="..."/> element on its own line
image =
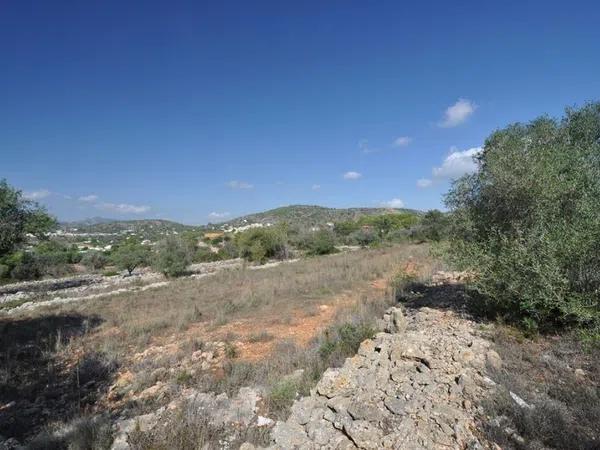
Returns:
<point x="133" y="320"/>
<point x="561" y="380"/>
<point x="291" y="312"/>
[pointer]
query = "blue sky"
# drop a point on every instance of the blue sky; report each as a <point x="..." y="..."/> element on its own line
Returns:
<point x="195" y="110"/>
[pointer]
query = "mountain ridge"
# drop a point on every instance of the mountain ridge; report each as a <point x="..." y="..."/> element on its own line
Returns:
<point x="311" y="215"/>
<point x="303" y="215"/>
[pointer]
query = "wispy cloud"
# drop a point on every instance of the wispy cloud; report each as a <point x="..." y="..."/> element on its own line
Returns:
<point x="316" y="187"/>
<point x="458" y="113"/>
<point x="88" y="198"/>
<point x="218" y="215"/>
<point x="122" y="208"/>
<point x="352" y="175"/>
<point x="393" y="203"/>
<point x="365" y="148"/>
<point x="455" y="165"/>
<point x="36" y="195"/>
<point x="424" y="183"/>
<point x="236" y="184"/>
<point x="402" y="141"/>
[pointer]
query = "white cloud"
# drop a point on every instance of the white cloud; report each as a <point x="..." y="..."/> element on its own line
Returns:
<point x="393" y="203"/>
<point x="218" y="215"/>
<point x="402" y="141"/>
<point x="364" y="147"/>
<point x="458" y="113"/>
<point x="316" y="187"/>
<point x="236" y="184"/>
<point x="424" y="182"/>
<point x="88" y="198"/>
<point x="455" y="165"/>
<point x="36" y="195"/>
<point x="123" y="208"/>
<point x="352" y="175"/>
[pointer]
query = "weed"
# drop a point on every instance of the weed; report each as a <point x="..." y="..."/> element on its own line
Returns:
<point x="183" y="377"/>
<point x="263" y="336"/>
<point x="231" y="350"/>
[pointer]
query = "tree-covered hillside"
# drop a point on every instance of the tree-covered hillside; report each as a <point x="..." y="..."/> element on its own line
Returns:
<point x="305" y="216"/>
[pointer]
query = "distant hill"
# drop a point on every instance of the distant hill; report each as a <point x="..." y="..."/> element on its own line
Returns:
<point x="310" y="215"/>
<point x="88" y="222"/>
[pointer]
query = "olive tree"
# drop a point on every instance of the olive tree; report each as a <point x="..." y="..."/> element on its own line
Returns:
<point x="130" y="255"/>
<point x="528" y="220"/>
<point x="19" y="216"/>
<point x="173" y="256"/>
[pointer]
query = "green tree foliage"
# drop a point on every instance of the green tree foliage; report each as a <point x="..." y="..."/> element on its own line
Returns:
<point x="364" y="237"/>
<point x="435" y="225"/>
<point x="368" y="230"/>
<point x="18" y="217"/>
<point x="24" y="266"/>
<point x="260" y="244"/>
<point x="528" y="221"/>
<point x="49" y="257"/>
<point x="94" y="260"/>
<point x="383" y="224"/>
<point x="173" y="256"/>
<point x="320" y="242"/>
<point x="345" y="228"/>
<point x="130" y="255"/>
<point x="204" y="254"/>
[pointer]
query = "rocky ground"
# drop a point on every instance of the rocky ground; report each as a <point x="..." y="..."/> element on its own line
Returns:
<point x="417" y="385"/>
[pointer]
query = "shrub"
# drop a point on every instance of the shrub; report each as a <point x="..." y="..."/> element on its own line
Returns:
<point x="94" y="260"/>
<point x="363" y="237"/>
<point x="343" y="341"/>
<point x="172" y="257"/>
<point x="345" y="228"/>
<point x="25" y="266"/>
<point x="435" y="225"/>
<point x="527" y="220"/>
<point x="320" y="243"/>
<point x="259" y="244"/>
<point x="228" y="250"/>
<point x="282" y="395"/>
<point x="383" y="224"/>
<point x="18" y="217"/>
<point x="204" y="254"/>
<point x="129" y="255"/>
<point x="4" y="271"/>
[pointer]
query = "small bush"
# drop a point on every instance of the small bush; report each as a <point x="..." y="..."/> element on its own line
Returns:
<point x="231" y="350"/>
<point x="321" y="243"/>
<point x="435" y="225"/>
<point x="172" y="257"/>
<point x="263" y="336"/>
<point x="282" y="395"/>
<point x="94" y="260"/>
<point x="130" y="254"/>
<point x="183" y="377"/>
<point x="343" y="341"/>
<point x="26" y="267"/>
<point x="363" y="237"/>
<point x="260" y="244"/>
<point x="205" y="254"/>
<point x="83" y="433"/>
